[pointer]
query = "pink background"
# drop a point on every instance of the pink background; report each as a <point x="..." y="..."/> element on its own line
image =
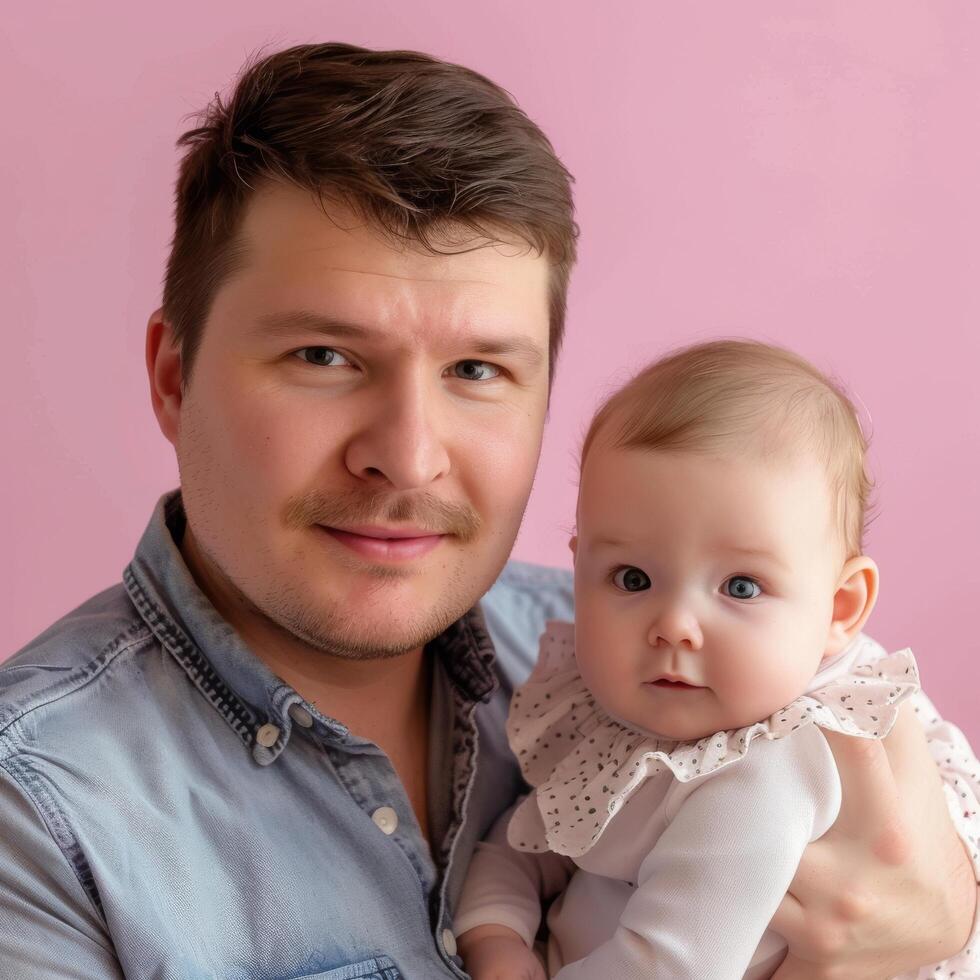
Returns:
<point x="802" y="172"/>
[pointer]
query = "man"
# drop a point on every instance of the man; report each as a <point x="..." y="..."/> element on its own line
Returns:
<point x="269" y="751"/>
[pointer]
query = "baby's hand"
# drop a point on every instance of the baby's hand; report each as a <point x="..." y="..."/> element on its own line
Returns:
<point x="497" y="953"/>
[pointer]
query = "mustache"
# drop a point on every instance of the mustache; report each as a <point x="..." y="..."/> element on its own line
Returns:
<point x="341" y="508"/>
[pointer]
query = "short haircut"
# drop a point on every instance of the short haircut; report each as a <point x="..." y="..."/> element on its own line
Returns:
<point x="742" y="396"/>
<point x="419" y="147"/>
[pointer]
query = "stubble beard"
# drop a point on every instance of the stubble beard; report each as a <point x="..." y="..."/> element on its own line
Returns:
<point x="326" y="624"/>
<point x="374" y="632"/>
<point x="330" y="628"/>
<point x="333" y="630"/>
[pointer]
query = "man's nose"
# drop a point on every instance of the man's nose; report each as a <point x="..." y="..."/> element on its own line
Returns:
<point x="675" y="625"/>
<point x="400" y="441"/>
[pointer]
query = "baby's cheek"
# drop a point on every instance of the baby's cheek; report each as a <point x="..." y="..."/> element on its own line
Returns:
<point x="755" y="685"/>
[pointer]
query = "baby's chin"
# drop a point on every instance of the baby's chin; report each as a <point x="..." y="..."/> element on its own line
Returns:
<point x="680" y="722"/>
<point x="690" y="716"/>
<point x="691" y="733"/>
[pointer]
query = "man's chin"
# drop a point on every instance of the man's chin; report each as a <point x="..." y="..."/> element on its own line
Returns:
<point x="388" y="619"/>
<point x="371" y="639"/>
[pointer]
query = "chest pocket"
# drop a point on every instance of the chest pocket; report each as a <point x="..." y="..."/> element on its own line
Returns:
<point x="378" y="968"/>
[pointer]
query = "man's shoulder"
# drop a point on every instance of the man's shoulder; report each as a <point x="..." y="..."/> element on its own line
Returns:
<point x="53" y="668"/>
<point x="530" y="586"/>
<point x="516" y="608"/>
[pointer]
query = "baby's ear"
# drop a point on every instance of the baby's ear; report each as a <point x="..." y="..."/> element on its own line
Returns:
<point x="573" y="545"/>
<point x="857" y="592"/>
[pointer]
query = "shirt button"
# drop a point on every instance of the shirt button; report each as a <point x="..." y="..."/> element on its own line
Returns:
<point x="300" y="715"/>
<point x="267" y="735"/>
<point x="386" y="819"/>
<point x="449" y="942"/>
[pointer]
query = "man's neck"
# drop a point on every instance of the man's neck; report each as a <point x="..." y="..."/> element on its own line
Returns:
<point x="385" y="700"/>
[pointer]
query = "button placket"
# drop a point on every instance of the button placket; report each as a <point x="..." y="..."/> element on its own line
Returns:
<point x="466" y="742"/>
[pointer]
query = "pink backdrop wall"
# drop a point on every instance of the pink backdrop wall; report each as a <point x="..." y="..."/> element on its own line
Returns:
<point x="803" y="172"/>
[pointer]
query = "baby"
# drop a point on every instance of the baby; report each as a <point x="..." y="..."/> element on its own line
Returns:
<point x="672" y="736"/>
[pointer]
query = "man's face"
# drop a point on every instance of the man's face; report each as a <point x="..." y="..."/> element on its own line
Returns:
<point x="361" y="428"/>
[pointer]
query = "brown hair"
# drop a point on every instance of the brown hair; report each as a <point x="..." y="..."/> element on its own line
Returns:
<point x="418" y="146"/>
<point x="744" y="396"/>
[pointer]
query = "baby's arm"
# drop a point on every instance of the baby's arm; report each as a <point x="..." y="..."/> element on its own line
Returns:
<point x="708" y="889"/>
<point x="500" y="907"/>
<point x="499" y="953"/>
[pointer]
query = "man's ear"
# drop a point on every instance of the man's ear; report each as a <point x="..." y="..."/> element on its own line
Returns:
<point x="573" y="546"/>
<point x="855" y="597"/>
<point x="163" y="366"/>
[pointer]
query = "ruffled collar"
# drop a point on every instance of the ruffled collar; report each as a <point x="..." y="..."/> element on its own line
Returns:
<point x="584" y="764"/>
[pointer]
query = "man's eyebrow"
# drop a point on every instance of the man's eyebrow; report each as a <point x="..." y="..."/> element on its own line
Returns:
<point x="301" y="321"/>
<point x="526" y="350"/>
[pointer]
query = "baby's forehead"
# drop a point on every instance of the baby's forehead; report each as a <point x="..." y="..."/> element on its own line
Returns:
<point x="769" y="453"/>
<point x="748" y="399"/>
<point x="746" y="496"/>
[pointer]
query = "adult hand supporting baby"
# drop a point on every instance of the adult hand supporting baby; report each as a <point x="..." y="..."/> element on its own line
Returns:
<point x="889" y="887"/>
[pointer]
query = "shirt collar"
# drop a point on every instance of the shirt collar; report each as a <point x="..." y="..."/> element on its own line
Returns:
<point x="259" y="707"/>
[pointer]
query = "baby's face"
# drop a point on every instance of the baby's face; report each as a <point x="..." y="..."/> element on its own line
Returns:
<point x="704" y="586"/>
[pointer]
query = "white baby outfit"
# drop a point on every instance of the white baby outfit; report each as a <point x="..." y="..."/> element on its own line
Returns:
<point x="668" y="859"/>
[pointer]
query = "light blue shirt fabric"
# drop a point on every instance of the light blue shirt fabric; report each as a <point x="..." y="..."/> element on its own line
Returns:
<point x="169" y="808"/>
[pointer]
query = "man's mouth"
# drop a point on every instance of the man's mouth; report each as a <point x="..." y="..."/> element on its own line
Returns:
<point x="399" y="543"/>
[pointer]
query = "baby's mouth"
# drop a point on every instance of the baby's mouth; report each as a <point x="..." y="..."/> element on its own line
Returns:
<point x="674" y="685"/>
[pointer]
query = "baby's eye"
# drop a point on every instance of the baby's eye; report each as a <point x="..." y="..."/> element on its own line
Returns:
<point x="322" y="356"/>
<point x="631" y="579"/>
<point x="741" y="587"/>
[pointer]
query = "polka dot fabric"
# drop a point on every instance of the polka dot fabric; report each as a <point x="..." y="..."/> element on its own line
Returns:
<point x="584" y="764"/>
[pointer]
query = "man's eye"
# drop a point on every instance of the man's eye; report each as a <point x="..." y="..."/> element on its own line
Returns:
<point x="321" y="356"/>
<point x="631" y="579"/>
<point x="475" y="370"/>
<point x="741" y="587"/>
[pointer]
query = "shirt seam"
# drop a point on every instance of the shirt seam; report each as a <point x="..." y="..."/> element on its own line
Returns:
<point x="78" y="863"/>
<point x="15" y="760"/>
<point x="66" y="686"/>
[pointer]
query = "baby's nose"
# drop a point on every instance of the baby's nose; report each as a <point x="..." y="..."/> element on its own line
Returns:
<point x="676" y="626"/>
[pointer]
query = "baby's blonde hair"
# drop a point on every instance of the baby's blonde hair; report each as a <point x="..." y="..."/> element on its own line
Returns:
<point x="743" y="396"/>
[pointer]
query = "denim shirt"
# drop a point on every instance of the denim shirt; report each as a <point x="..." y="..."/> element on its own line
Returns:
<point x="172" y="809"/>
